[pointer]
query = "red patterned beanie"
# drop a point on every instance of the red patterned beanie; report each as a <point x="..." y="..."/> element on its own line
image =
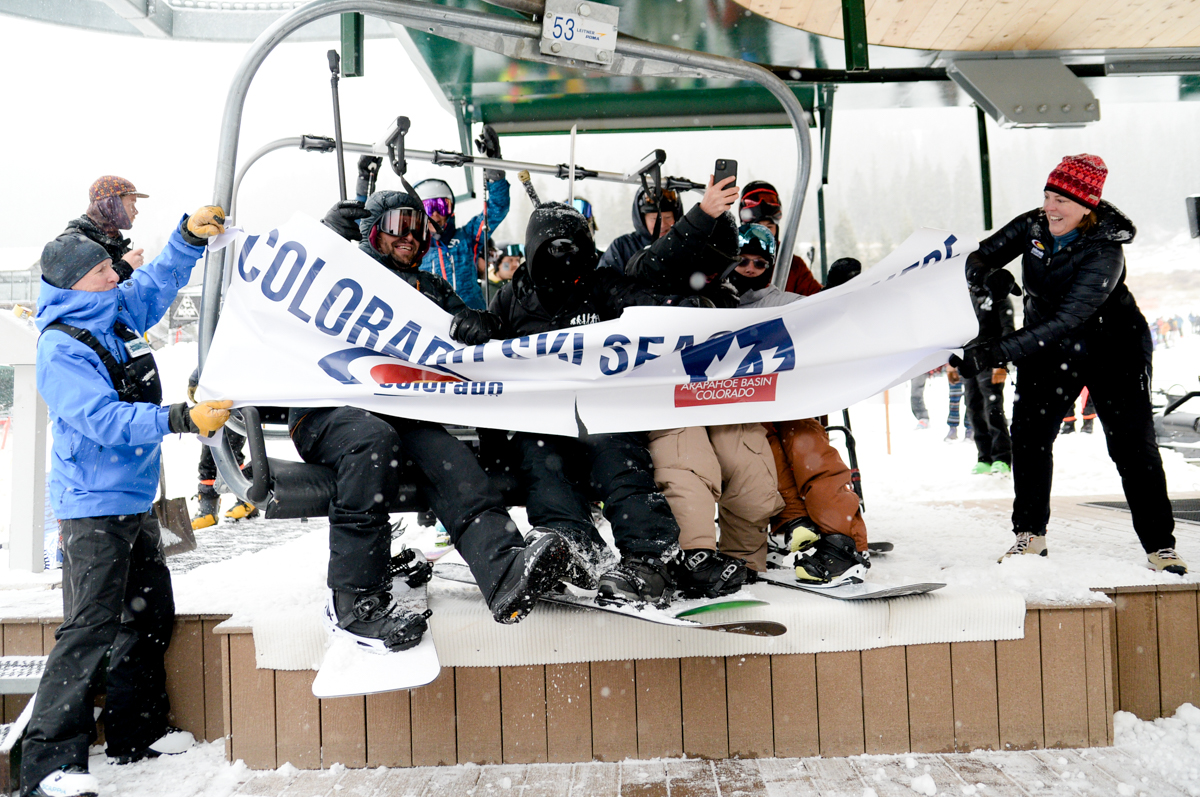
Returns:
<point x="1079" y="178"/>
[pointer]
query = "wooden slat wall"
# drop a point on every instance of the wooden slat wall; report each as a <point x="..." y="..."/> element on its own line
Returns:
<point x="921" y="698"/>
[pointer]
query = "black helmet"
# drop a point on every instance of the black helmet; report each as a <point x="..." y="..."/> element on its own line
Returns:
<point x="755" y="239"/>
<point x="759" y="202"/>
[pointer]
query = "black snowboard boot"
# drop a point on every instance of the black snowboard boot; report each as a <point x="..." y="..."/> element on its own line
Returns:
<point x="412" y="566"/>
<point x="637" y="579"/>
<point x="1087" y="425"/>
<point x="374" y="621"/>
<point x="702" y="573"/>
<point x="1068" y="427"/>
<point x="210" y="505"/>
<point x="587" y="559"/>
<point x="538" y="570"/>
<point x="833" y="560"/>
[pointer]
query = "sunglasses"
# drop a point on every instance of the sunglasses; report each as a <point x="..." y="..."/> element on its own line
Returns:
<point x="757" y="263"/>
<point x="404" y="221"/>
<point x="583" y="206"/>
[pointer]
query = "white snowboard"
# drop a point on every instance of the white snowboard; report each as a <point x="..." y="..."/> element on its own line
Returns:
<point x="349" y="670"/>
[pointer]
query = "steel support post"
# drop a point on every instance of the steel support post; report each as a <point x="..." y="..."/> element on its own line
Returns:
<point x="985" y="168"/>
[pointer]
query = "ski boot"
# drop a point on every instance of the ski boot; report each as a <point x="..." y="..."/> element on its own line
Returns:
<point x="638" y="579"/>
<point x="1068" y="427"/>
<point x="411" y="566"/>
<point x="72" y="781"/>
<point x="535" y="572"/>
<point x="833" y="560"/>
<point x="1165" y="560"/>
<point x="1087" y="426"/>
<point x="373" y="620"/>
<point x="173" y="742"/>
<point x="702" y="573"/>
<point x="982" y="468"/>
<point x="1029" y="544"/>
<point x="242" y="511"/>
<point x="210" y="505"/>
<point x="587" y="560"/>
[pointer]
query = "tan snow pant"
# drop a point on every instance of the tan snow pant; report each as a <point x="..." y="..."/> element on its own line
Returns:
<point x="723" y="471"/>
<point x="814" y="481"/>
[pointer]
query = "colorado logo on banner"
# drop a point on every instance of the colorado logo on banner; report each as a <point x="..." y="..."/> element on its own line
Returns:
<point x="309" y="320"/>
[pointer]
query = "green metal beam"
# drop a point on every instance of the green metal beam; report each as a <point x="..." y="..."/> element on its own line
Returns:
<point x="854" y="27"/>
<point x="353" y="36"/>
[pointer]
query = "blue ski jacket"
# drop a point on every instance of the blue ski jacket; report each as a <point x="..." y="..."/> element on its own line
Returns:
<point x="106" y="451"/>
<point x="454" y="260"/>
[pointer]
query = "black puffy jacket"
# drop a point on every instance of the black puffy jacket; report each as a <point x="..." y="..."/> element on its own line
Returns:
<point x="1075" y="299"/>
<point x="698" y="244"/>
<point x="117" y="247"/>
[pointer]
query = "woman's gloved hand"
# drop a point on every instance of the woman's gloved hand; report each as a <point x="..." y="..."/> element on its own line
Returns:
<point x="202" y="225"/>
<point x="204" y="419"/>
<point x="473" y="327"/>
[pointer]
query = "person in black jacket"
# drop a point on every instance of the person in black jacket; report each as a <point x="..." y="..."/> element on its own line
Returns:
<point x="651" y="221"/>
<point x="560" y="286"/>
<point x="112" y="207"/>
<point x="1082" y="327"/>
<point x="369" y="451"/>
<point x="984" y="392"/>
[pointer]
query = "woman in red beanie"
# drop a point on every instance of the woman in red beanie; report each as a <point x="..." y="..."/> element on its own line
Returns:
<point x="1082" y="328"/>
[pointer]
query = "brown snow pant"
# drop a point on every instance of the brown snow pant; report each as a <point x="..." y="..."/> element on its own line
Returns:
<point x="723" y="471"/>
<point x="814" y="481"/>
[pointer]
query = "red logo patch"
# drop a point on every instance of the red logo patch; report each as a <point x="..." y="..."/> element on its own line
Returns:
<point x="726" y="391"/>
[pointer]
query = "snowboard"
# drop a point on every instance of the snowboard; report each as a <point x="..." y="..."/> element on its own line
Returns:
<point x="679" y="616"/>
<point x="857" y="591"/>
<point x="780" y="557"/>
<point x="350" y="668"/>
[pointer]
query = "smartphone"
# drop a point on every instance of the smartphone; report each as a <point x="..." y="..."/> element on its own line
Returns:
<point x="724" y="168"/>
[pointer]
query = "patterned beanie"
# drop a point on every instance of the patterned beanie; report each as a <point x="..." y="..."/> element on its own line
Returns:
<point x="1079" y="178"/>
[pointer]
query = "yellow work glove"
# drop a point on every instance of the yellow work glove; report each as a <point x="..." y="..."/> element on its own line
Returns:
<point x="204" y="419"/>
<point x="203" y="224"/>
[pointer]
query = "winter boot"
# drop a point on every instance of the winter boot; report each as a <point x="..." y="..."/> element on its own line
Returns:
<point x="969" y="434"/>
<point x="1165" y="560"/>
<point x="982" y="467"/>
<point x="922" y="423"/>
<point x="242" y="511"/>
<point x="587" y="561"/>
<point x="173" y="742"/>
<point x="411" y="566"/>
<point x="832" y="561"/>
<point x="951" y="435"/>
<point x="1086" y="428"/>
<point x="210" y="505"/>
<point x="1068" y="427"/>
<point x="73" y="781"/>
<point x="1027" y="543"/>
<point x="637" y="580"/>
<point x="1001" y="468"/>
<point x="537" y="571"/>
<point x="702" y="573"/>
<point x="373" y="620"/>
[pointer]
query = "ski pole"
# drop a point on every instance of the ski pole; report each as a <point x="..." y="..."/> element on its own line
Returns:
<point x="334" y="63"/>
<point x="523" y="176"/>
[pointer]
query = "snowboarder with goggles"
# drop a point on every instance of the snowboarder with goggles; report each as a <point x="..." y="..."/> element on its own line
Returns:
<point x="760" y="205"/>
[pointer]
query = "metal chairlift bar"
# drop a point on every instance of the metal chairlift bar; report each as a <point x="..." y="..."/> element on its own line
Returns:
<point x="416" y="14"/>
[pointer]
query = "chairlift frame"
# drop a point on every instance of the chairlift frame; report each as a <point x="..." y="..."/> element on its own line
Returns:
<point x="516" y="38"/>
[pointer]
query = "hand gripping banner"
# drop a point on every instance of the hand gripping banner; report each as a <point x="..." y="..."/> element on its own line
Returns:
<point x="309" y="320"/>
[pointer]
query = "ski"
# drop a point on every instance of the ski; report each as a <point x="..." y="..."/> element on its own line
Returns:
<point x="856" y="591"/>
<point x="679" y="615"/>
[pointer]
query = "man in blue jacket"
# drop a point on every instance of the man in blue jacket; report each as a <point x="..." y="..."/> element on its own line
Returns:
<point x="455" y="253"/>
<point x="97" y="375"/>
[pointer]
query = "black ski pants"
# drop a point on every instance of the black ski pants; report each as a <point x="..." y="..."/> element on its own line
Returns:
<point x="985" y="411"/>
<point x="207" y="471"/>
<point x="1120" y="383"/>
<point x="117" y="602"/>
<point x="370" y="454"/>
<point x="565" y="473"/>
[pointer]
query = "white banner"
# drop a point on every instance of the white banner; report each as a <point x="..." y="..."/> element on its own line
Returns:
<point x="311" y="321"/>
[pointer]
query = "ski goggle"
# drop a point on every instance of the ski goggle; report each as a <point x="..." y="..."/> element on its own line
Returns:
<point x="757" y="235"/>
<point x="561" y="247"/>
<point x="513" y="250"/>
<point x="668" y="200"/>
<point x="583" y="206"/>
<point x="438" y="205"/>
<point x="760" y="203"/>
<point x="402" y="221"/>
